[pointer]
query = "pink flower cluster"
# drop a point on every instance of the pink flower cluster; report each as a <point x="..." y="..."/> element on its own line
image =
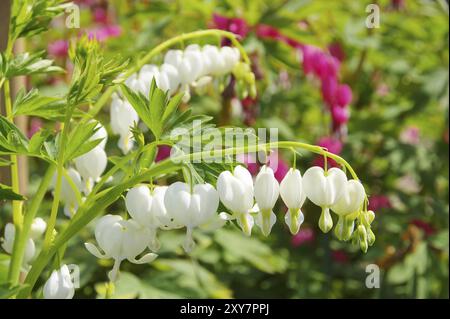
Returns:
<point x="323" y="65"/>
<point x="333" y="145"/>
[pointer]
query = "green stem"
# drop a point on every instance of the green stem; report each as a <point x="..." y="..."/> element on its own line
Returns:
<point x="16" y="205"/>
<point x="30" y="214"/>
<point x="59" y="174"/>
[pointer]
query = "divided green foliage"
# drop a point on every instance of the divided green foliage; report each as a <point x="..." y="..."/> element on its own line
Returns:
<point x="34" y="104"/>
<point x="79" y="140"/>
<point x="26" y="64"/>
<point x="6" y="193"/>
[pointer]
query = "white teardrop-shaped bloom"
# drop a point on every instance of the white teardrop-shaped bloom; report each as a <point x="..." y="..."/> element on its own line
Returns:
<point x="352" y="199"/>
<point x="38" y="228"/>
<point x="266" y="195"/>
<point x="147" y="208"/>
<point x="100" y="133"/>
<point x="191" y="209"/>
<point x="59" y="285"/>
<point x="193" y="59"/>
<point x="230" y="57"/>
<point x="120" y="239"/>
<point x="135" y="83"/>
<point x="68" y="193"/>
<point x="291" y="191"/>
<point x="169" y="78"/>
<point x="173" y="57"/>
<point x="216" y="62"/>
<point x="8" y="244"/>
<point x="123" y="116"/>
<point x="236" y="193"/>
<point x="324" y="190"/>
<point x="146" y="75"/>
<point x="91" y="165"/>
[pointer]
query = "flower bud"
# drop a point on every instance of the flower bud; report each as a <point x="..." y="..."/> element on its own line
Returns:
<point x="59" y="285"/>
<point x="37" y="228"/>
<point x="362" y="236"/>
<point x="8" y="244"/>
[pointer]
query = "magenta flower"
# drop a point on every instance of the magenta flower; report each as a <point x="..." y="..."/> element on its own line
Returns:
<point x="340" y="256"/>
<point x="278" y="165"/>
<point x="236" y="25"/>
<point x="340" y="115"/>
<point x="329" y="88"/>
<point x="304" y="236"/>
<point x="426" y="227"/>
<point x="250" y="161"/>
<point x="344" y="95"/>
<point x="333" y="145"/>
<point x="267" y="32"/>
<point x="100" y="15"/>
<point x="378" y="202"/>
<point x="105" y="32"/>
<point x="410" y="135"/>
<point x="58" y="49"/>
<point x="35" y="126"/>
<point x="163" y="152"/>
<point x="337" y="51"/>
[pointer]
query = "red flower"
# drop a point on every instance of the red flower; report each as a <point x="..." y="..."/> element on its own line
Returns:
<point x="304" y="236"/>
<point x="427" y="228"/>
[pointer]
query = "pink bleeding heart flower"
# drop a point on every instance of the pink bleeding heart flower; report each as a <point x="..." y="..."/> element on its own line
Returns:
<point x="58" y="49"/>
<point x="340" y="115"/>
<point x="344" y="95"/>
<point x="378" y="202"/>
<point x="333" y="145"/>
<point x="267" y="32"/>
<point x="99" y="15"/>
<point x="304" y="236"/>
<point x="163" y="152"/>
<point x="337" y="51"/>
<point x="329" y="87"/>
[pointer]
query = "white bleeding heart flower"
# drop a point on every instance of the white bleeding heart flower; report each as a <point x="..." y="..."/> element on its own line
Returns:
<point x="68" y="193"/>
<point x="191" y="208"/>
<point x="266" y="195"/>
<point x="123" y="116"/>
<point x="147" y="208"/>
<point x="324" y="189"/>
<point x="230" y="56"/>
<point x="146" y="75"/>
<point x="293" y="195"/>
<point x="38" y="228"/>
<point x="169" y="79"/>
<point x="100" y="133"/>
<point x="351" y="200"/>
<point x="59" y="285"/>
<point x="236" y="193"/>
<point x="173" y="57"/>
<point x="91" y="166"/>
<point x="216" y="65"/>
<point x="8" y="244"/>
<point x="134" y="82"/>
<point x="120" y="239"/>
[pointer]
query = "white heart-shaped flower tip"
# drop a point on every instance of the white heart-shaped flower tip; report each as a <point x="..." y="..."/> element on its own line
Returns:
<point x="59" y="285"/>
<point x="37" y="228"/>
<point x="191" y="209"/>
<point x="291" y="191"/>
<point x="147" y="208"/>
<point x="120" y="239"/>
<point x="123" y="116"/>
<point x="324" y="189"/>
<point x="91" y="166"/>
<point x="351" y="200"/>
<point x="8" y="243"/>
<point x="100" y="133"/>
<point x="267" y="191"/>
<point x="68" y="192"/>
<point x="236" y="193"/>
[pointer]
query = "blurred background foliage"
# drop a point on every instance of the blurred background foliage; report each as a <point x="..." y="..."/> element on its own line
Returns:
<point x="396" y="139"/>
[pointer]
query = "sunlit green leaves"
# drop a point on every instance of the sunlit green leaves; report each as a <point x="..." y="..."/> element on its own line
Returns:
<point x="30" y="17"/>
<point x="12" y="140"/>
<point x="156" y="110"/>
<point x="26" y="64"/>
<point x="6" y="193"/>
<point x="79" y="140"/>
<point x="92" y="71"/>
<point x="34" y="104"/>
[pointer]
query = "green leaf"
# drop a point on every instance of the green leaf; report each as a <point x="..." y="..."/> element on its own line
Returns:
<point x="33" y="104"/>
<point x="12" y="140"/>
<point x="172" y="106"/>
<point x="28" y="64"/>
<point x="79" y="140"/>
<point x="6" y="193"/>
